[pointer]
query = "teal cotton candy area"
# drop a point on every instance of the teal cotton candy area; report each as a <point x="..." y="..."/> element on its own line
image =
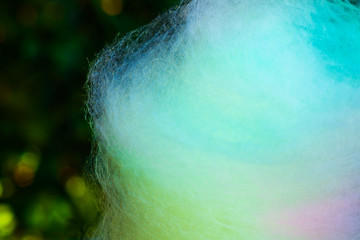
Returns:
<point x="231" y="119"/>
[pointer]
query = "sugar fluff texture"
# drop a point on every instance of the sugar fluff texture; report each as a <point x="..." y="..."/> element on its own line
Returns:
<point x="231" y="119"/>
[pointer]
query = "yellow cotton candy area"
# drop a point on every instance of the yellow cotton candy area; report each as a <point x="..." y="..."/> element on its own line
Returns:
<point x="232" y="119"/>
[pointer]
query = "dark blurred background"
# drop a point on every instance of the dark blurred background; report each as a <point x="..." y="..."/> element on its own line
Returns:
<point x="45" y="50"/>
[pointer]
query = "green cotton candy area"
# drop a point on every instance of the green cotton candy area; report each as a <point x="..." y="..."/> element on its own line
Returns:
<point x="231" y="119"/>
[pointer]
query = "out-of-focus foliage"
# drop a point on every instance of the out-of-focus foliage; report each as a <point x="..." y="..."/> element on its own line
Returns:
<point x="45" y="50"/>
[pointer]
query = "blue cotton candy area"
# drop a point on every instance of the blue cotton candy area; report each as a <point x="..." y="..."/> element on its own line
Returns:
<point x="250" y="100"/>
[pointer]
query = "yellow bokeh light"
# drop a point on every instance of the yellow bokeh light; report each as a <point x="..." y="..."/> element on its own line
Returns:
<point x="75" y="186"/>
<point x="24" y="176"/>
<point x="30" y="159"/>
<point x="7" y="220"/>
<point x="112" y="7"/>
<point x="26" y="168"/>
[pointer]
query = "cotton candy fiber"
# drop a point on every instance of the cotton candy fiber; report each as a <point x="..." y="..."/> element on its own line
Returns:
<point x="231" y="119"/>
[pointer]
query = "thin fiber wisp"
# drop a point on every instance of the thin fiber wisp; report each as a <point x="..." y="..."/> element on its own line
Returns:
<point x="232" y="119"/>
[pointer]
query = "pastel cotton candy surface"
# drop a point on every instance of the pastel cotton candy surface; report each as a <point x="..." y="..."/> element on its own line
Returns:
<point x="231" y="119"/>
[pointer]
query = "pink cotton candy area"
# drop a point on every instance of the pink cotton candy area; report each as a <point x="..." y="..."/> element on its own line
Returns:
<point x="330" y="220"/>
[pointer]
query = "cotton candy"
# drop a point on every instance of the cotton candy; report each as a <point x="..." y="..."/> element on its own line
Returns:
<point x="231" y="119"/>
